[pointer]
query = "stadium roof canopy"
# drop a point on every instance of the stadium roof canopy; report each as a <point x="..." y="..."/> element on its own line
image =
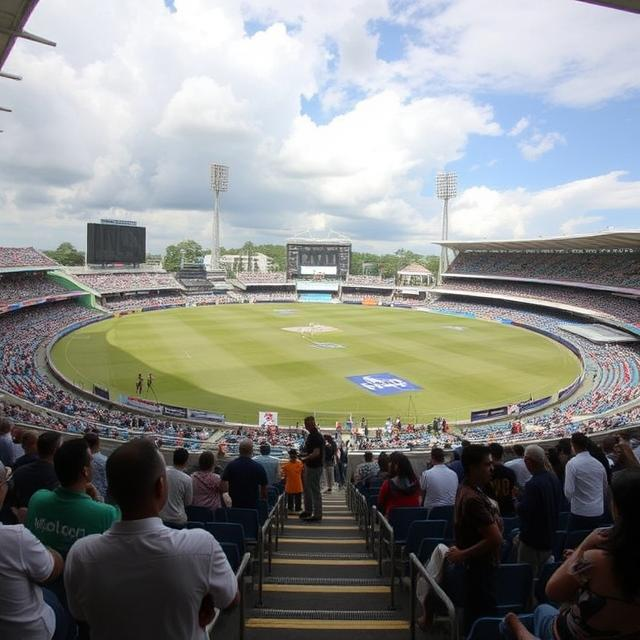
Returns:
<point x="625" y="5"/>
<point x="593" y="241"/>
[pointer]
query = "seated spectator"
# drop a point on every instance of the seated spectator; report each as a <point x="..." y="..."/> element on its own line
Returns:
<point x="518" y="466"/>
<point x="7" y="452"/>
<point x="599" y="583"/>
<point x="28" y="612"/>
<point x="180" y="489"/>
<point x="37" y="475"/>
<point x="538" y="509"/>
<point x="30" y="448"/>
<point x="502" y="487"/>
<point x="244" y="479"/>
<point x="366" y="470"/>
<point x="292" y="473"/>
<point x="60" y="517"/>
<point x="439" y="484"/>
<point x="141" y="579"/>
<point x="478" y="535"/>
<point x="271" y="465"/>
<point x="98" y="463"/>
<point x="402" y="489"/>
<point x="207" y="485"/>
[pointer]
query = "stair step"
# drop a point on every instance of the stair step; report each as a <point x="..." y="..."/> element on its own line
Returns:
<point x="327" y="581"/>
<point x="322" y="556"/>
<point x="356" y="615"/>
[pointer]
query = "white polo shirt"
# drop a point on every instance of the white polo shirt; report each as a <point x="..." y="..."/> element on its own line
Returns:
<point x="585" y="485"/>
<point x="518" y="466"/>
<point x="24" y="561"/>
<point x="180" y="495"/>
<point x="440" y="484"/>
<point x="141" y="580"/>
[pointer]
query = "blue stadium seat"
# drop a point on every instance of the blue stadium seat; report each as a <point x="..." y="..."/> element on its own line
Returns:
<point x="514" y="587"/>
<point x="559" y="538"/>
<point x="489" y="628"/>
<point x="199" y="514"/>
<point x="443" y="513"/>
<point x="227" y="532"/>
<point x="546" y="572"/>
<point x="232" y="553"/>
<point x="421" y="529"/>
<point x="509" y="524"/>
<point x="195" y="525"/>
<point x="427" y="546"/>
<point x="400" y="519"/>
<point x="248" y="518"/>
<point x="574" y="538"/>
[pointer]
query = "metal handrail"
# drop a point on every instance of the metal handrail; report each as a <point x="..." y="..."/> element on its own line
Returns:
<point x="240" y="578"/>
<point x="385" y="526"/>
<point x="416" y="567"/>
<point x="263" y="533"/>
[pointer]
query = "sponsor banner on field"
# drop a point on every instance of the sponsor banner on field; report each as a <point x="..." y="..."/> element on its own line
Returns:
<point x="383" y="384"/>
<point x="173" y="411"/>
<point x="530" y="405"/>
<point x="197" y="414"/>
<point x="140" y="403"/>
<point x="486" y="414"/>
<point x="267" y="419"/>
<point x="101" y="392"/>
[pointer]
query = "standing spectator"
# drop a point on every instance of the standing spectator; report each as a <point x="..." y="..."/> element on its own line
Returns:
<point x="16" y="438"/>
<point x="402" y="489"/>
<point x="270" y="463"/>
<point x="244" y="479"/>
<point x="292" y="472"/>
<point x="312" y="459"/>
<point x="383" y="467"/>
<point x="142" y="579"/>
<point x="98" y="463"/>
<point x="330" y="451"/>
<point x="26" y="612"/>
<point x="518" y="466"/>
<point x="502" y="487"/>
<point x="60" y="517"/>
<point x="456" y="463"/>
<point x="366" y="470"/>
<point x="207" y="485"/>
<point x="438" y="484"/>
<point x="585" y="486"/>
<point x="37" y="475"/>
<point x="7" y="452"/>
<point x="478" y="536"/>
<point x="30" y="448"/>
<point x="180" y="489"/>
<point x="341" y="465"/>
<point x="538" y="509"/>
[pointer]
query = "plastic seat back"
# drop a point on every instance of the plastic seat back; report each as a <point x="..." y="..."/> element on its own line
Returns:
<point x="232" y="553"/>
<point x="514" y="587"/>
<point x="199" y="514"/>
<point x="248" y="518"/>
<point x="546" y="572"/>
<point x="574" y="538"/>
<point x="421" y="529"/>
<point x="229" y="532"/>
<point x="400" y="518"/>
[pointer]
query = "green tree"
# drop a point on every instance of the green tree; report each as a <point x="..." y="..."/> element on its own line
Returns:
<point x="67" y="255"/>
<point x="173" y="254"/>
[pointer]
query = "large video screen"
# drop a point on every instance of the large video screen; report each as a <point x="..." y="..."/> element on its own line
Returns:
<point x="110" y="243"/>
<point x="307" y="259"/>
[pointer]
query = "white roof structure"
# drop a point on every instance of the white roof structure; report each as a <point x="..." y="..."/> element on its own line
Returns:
<point x="594" y="241"/>
<point x="414" y="269"/>
<point x="623" y="5"/>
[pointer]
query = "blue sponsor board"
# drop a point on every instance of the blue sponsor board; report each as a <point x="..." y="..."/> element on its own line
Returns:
<point x="383" y="384"/>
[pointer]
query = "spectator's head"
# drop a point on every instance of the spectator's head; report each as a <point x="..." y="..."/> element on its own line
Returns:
<point x="518" y="450"/>
<point x="368" y="456"/>
<point x="72" y="463"/>
<point x="476" y="462"/>
<point x="29" y="442"/>
<point x="180" y="457"/>
<point x="137" y="479"/>
<point x="48" y="442"/>
<point x="383" y="462"/>
<point x="437" y="455"/>
<point x="245" y="448"/>
<point x="579" y="442"/>
<point x="6" y="424"/>
<point x="16" y="434"/>
<point x="534" y="458"/>
<point x="608" y="444"/>
<point x="310" y="423"/>
<point x="497" y="451"/>
<point x="206" y="461"/>
<point x="265" y="449"/>
<point x="400" y="467"/>
<point x="623" y="539"/>
<point x="293" y="454"/>
<point x="93" y="440"/>
<point x="564" y="450"/>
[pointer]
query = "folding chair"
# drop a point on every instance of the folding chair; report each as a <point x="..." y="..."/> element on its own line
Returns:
<point x="514" y="586"/>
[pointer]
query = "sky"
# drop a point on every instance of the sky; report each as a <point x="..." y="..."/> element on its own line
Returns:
<point x="333" y="116"/>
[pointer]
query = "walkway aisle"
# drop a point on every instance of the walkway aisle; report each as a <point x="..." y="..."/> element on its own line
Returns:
<point x="324" y="585"/>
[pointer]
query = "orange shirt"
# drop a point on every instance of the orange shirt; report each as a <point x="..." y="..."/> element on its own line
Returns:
<point x="292" y="472"/>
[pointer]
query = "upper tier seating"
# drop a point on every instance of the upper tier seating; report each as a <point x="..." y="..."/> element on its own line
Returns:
<point x="24" y="257"/>
<point x="142" y="281"/>
<point x="15" y="287"/>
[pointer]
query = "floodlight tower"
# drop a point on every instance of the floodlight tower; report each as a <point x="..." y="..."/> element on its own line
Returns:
<point x="219" y="184"/>
<point x="446" y="185"/>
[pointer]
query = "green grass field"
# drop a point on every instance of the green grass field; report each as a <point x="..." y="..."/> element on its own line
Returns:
<point x="238" y="360"/>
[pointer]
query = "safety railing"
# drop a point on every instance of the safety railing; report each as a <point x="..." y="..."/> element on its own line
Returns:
<point x="385" y="527"/>
<point x="271" y="528"/>
<point x="417" y="569"/>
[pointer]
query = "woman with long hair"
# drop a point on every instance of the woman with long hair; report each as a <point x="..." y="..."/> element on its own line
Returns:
<point x="599" y="583"/>
<point x="402" y="488"/>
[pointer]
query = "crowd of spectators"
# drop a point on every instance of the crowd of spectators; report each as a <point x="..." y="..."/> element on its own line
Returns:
<point x="616" y="269"/>
<point x="261" y="277"/>
<point x="128" y="281"/>
<point x="24" y="257"/>
<point x="143" y="302"/>
<point x="627" y="309"/>
<point x="15" y="287"/>
<point x="365" y="298"/>
<point x="370" y="280"/>
<point x="283" y="295"/>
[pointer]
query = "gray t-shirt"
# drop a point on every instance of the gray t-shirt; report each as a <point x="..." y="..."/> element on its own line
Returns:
<point x="180" y="495"/>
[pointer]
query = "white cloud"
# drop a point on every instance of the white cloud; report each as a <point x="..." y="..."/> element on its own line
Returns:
<point x="569" y="227"/>
<point x="519" y="127"/>
<point x="539" y="144"/>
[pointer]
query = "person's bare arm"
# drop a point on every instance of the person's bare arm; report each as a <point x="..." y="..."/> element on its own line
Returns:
<point x="58" y="566"/>
<point x="225" y="486"/>
<point x="491" y="541"/>
<point x="313" y="455"/>
<point x="263" y="492"/>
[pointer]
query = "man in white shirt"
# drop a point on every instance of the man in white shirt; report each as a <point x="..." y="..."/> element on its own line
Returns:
<point x="180" y="489"/>
<point x="439" y="484"/>
<point x="270" y="463"/>
<point x="518" y="466"/>
<point x="585" y="486"/>
<point x="141" y="580"/>
<point x="25" y="563"/>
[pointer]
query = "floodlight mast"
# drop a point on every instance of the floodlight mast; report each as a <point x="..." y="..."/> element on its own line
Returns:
<point x="219" y="184"/>
<point x="446" y="188"/>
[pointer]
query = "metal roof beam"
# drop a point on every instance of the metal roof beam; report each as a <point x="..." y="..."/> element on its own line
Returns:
<point x="5" y="109"/>
<point x="11" y="76"/>
<point x="27" y="36"/>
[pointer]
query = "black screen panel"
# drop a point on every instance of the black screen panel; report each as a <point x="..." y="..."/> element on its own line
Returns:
<point x="109" y="243"/>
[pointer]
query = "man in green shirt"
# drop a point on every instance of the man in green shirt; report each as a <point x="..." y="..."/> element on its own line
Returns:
<point x="60" y="517"/>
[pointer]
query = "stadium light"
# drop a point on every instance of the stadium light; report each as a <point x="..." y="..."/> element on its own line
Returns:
<point x="219" y="184"/>
<point x="446" y="188"/>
